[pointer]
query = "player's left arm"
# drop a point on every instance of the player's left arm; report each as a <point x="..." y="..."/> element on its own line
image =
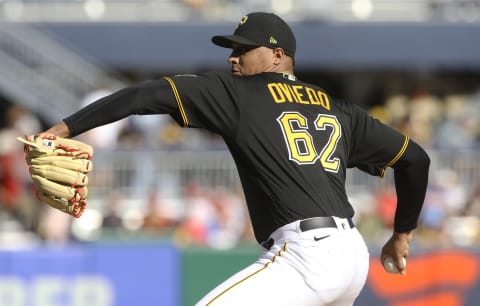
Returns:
<point x="150" y="97"/>
<point x="193" y="101"/>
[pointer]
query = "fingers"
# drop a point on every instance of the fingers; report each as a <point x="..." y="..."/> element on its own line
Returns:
<point x="401" y="264"/>
<point x="394" y="266"/>
<point x="397" y="248"/>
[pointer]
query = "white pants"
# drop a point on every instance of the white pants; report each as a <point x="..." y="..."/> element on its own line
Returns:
<point x="299" y="270"/>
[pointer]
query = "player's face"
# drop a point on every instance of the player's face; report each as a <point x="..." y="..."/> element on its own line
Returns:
<point x="247" y="60"/>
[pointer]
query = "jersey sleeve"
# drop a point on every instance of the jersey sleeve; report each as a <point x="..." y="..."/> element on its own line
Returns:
<point x="150" y="97"/>
<point x="375" y="146"/>
<point x="206" y="101"/>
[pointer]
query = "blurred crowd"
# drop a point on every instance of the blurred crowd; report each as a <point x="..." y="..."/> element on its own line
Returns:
<point x="449" y="125"/>
<point x="201" y="215"/>
<point x="450" y="122"/>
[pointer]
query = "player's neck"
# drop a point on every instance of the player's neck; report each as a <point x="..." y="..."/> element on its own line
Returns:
<point x="286" y="70"/>
<point x="283" y="68"/>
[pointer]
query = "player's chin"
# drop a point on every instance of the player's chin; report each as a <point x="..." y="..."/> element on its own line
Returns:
<point x="236" y="73"/>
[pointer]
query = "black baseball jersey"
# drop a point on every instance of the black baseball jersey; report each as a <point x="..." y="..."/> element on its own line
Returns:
<point x="291" y="141"/>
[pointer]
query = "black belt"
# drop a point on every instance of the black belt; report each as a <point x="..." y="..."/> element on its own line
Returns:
<point x="321" y="222"/>
<point x="310" y="224"/>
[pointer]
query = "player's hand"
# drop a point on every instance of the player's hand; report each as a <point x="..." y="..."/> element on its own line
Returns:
<point x="58" y="168"/>
<point x="60" y="130"/>
<point x="397" y="247"/>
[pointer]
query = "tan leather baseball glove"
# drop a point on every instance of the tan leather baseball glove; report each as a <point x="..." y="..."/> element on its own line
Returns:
<point x="59" y="167"/>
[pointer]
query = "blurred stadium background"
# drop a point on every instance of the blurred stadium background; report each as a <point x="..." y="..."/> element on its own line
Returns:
<point x="166" y="219"/>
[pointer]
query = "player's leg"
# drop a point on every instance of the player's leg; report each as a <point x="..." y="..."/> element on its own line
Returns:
<point x="357" y="271"/>
<point x="326" y="266"/>
<point x="271" y="280"/>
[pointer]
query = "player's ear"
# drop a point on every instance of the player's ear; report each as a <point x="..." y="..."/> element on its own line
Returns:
<point x="278" y="55"/>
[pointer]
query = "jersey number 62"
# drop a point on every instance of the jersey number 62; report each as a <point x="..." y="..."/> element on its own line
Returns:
<point x="300" y="142"/>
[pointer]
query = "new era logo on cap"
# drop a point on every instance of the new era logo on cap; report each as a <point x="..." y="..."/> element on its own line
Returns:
<point x="243" y="20"/>
<point x="260" y="29"/>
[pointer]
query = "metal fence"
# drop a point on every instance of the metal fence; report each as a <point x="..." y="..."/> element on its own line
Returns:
<point x="134" y="173"/>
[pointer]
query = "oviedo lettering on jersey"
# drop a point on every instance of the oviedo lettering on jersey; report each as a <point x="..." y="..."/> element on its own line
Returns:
<point x="282" y="92"/>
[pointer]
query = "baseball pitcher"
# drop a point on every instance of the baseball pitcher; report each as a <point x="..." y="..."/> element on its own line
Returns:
<point x="292" y="143"/>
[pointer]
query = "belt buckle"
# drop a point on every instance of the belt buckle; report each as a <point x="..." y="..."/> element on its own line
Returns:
<point x="344" y="223"/>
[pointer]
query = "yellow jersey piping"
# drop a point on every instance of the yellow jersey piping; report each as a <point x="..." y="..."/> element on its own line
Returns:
<point x="284" y="249"/>
<point x="179" y="101"/>
<point x="397" y="157"/>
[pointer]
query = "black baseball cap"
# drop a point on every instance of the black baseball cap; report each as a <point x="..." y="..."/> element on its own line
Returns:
<point x="260" y="29"/>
